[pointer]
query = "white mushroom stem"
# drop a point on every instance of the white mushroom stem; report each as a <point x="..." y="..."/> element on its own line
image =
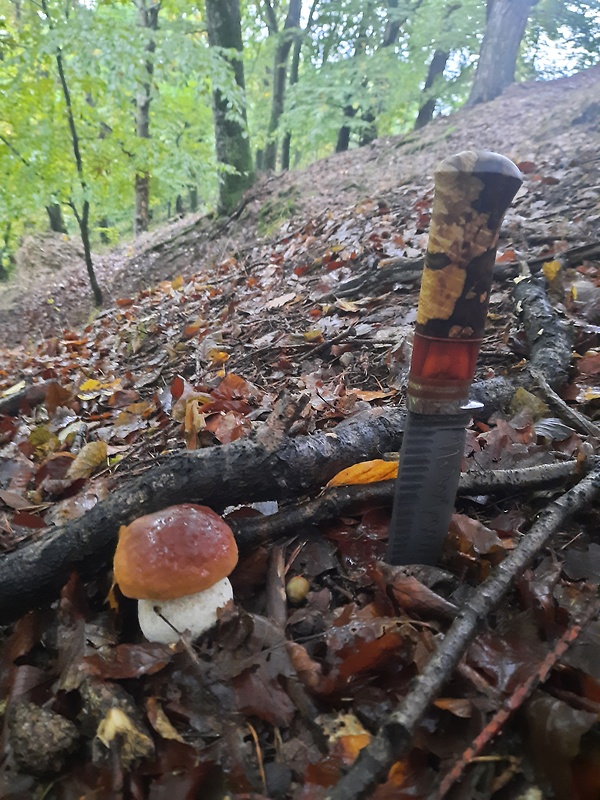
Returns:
<point x="195" y="613"/>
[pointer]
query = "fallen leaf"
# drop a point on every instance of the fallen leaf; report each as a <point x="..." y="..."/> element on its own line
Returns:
<point x="282" y="300"/>
<point x="89" y="458"/>
<point x="366" y="472"/>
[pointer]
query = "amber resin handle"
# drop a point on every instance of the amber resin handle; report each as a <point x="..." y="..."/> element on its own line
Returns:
<point x="473" y="190"/>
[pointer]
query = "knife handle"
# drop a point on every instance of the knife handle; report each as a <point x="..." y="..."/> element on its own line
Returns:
<point x="472" y="193"/>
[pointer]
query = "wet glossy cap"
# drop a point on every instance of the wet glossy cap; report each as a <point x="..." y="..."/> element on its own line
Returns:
<point x="178" y="551"/>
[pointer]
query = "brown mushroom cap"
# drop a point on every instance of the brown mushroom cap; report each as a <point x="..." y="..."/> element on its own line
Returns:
<point x="178" y="551"/>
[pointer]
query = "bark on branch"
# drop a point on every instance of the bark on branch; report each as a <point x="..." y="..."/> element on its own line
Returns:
<point x="344" y="500"/>
<point x="243" y="471"/>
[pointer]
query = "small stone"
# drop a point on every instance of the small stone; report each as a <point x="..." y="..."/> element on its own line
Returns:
<point x="40" y="739"/>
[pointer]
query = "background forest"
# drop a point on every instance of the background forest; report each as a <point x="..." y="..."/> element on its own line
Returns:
<point x="116" y="114"/>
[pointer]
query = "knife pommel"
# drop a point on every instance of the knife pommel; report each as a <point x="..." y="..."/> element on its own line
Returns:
<point x="472" y="193"/>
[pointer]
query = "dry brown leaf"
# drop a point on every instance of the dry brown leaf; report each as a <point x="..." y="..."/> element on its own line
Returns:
<point x="89" y="458"/>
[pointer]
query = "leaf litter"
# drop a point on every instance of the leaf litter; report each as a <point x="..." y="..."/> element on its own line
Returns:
<point x="279" y="700"/>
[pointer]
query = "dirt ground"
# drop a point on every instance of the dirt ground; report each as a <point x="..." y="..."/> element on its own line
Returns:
<point x="552" y="127"/>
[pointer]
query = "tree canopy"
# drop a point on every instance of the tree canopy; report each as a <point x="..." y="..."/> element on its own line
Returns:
<point x="317" y="75"/>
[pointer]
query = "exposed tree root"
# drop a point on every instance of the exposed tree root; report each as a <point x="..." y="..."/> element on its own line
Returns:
<point x="550" y="344"/>
<point x="390" y="272"/>
<point x="394" y="738"/>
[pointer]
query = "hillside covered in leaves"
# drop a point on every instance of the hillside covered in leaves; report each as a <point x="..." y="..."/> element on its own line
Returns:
<point x="244" y="363"/>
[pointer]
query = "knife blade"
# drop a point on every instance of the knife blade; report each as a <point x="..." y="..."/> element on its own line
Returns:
<point x="472" y="192"/>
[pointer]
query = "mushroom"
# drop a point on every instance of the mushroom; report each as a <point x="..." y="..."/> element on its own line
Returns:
<point x="175" y="563"/>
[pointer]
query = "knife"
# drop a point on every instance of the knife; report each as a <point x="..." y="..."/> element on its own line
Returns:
<point x="473" y="190"/>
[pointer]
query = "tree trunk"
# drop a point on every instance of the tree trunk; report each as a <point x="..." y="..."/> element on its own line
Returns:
<point x="393" y="25"/>
<point x="231" y="136"/>
<point x="193" y="198"/>
<point x="102" y="225"/>
<point x="82" y="219"/>
<point x="436" y="69"/>
<point x="6" y="258"/>
<point x="294" y="74"/>
<point x="282" y="52"/>
<point x="57" y="222"/>
<point x="396" y="18"/>
<point x="504" y="30"/>
<point x="148" y="21"/>
<point x="343" y="139"/>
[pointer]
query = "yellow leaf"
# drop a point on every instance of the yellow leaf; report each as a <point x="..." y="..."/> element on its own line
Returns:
<point x="551" y="269"/>
<point x="88" y="459"/>
<point x="347" y="305"/>
<point x="90" y="385"/>
<point x="217" y="356"/>
<point x="177" y="283"/>
<point x="133" y="742"/>
<point x="160" y="722"/>
<point x="459" y="706"/>
<point x="314" y="336"/>
<point x="366" y="472"/>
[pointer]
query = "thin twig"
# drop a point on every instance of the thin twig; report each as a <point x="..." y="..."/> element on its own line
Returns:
<point x="515" y="701"/>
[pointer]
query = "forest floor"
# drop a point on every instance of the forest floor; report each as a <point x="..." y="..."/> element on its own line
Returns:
<point x="170" y="394"/>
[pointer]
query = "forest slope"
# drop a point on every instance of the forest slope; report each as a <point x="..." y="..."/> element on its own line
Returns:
<point x="551" y="126"/>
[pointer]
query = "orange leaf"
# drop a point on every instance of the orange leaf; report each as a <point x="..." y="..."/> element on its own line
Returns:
<point x="366" y="472"/>
<point x="459" y="706"/>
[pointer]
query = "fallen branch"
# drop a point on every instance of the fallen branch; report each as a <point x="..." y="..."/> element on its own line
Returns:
<point x="570" y="415"/>
<point x="339" y="500"/>
<point x="550" y="345"/>
<point x="407" y="271"/>
<point x="243" y="471"/>
<point x="394" y="739"/>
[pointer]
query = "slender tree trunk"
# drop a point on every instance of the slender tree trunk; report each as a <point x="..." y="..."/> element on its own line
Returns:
<point x="6" y="258"/>
<point x="55" y="215"/>
<point x="231" y="136"/>
<point x="83" y="219"/>
<point x="396" y="19"/>
<point x="504" y="30"/>
<point x="103" y="224"/>
<point x="148" y="22"/>
<point x="286" y="144"/>
<point x="435" y="71"/>
<point x="294" y="74"/>
<point x="393" y="24"/>
<point x="193" y="198"/>
<point x="282" y="52"/>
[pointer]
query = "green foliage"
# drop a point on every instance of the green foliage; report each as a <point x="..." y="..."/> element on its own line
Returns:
<point x="350" y="73"/>
<point x="571" y="29"/>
